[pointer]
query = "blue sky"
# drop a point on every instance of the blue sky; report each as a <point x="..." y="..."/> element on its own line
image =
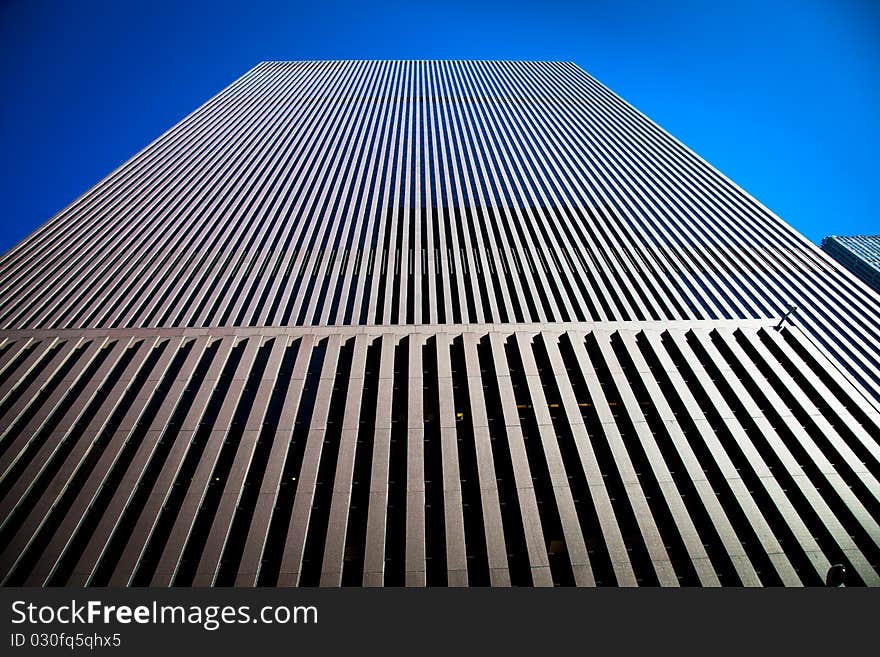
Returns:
<point x="782" y="97"/>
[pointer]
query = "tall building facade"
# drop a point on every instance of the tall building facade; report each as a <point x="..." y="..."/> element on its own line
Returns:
<point x="860" y="254"/>
<point x="431" y="323"/>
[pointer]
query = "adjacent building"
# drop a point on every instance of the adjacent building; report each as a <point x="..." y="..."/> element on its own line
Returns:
<point x="392" y="323"/>
<point x="858" y="253"/>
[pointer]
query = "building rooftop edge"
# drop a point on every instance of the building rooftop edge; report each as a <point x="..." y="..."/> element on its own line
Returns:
<point x="340" y="61"/>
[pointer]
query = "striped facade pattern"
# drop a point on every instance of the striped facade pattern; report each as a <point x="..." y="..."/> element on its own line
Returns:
<point x="660" y="453"/>
<point x="431" y="323"/>
<point x="315" y="193"/>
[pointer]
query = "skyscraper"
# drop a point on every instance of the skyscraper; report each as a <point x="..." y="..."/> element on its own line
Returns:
<point x="860" y="254"/>
<point x="444" y="323"/>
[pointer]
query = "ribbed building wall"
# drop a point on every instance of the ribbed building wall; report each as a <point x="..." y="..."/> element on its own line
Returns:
<point x="387" y="323"/>
<point x="661" y="453"/>
<point x="313" y="193"/>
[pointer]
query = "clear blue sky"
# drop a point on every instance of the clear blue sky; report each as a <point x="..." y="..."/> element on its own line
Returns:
<point x="780" y="96"/>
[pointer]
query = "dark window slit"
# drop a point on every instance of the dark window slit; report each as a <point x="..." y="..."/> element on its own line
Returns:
<point x="637" y="552"/>
<point x="270" y="565"/>
<point x="244" y="513"/>
<point x="356" y="534"/>
<point x="551" y="524"/>
<point x="316" y="537"/>
<point x="783" y="428"/>
<point x="778" y="524"/>
<point x="472" y="507"/>
<point x="721" y="562"/>
<point x="435" y="528"/>
<point x="40" y="397"/>
<point x="666" y="525"/>
<point x="14" y="520"/>
<point x="168" y="515"/>
<point x="68" y="495"/>
<point x="511" y="514"/>
<point x="597" y="550"/>
<point x="395" y="531"/>
<point x="204" y="519"/>
<point x="110" y="485"/>
<point x="170" y="435"/>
